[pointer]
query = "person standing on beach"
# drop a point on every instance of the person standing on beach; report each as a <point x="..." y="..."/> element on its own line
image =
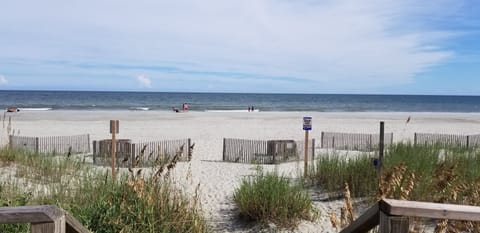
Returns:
<point x="185" y="106"/>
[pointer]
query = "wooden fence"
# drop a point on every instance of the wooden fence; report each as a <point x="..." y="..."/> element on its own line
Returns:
<point x="447" y="139"/>
<point x="140" y="153"/>
<point x="392" y="216"/>
<point x="353" y="141"/>
<point x="52" y="145"/>
<point x="42" y="219"/>
<point x="265" y="151"/>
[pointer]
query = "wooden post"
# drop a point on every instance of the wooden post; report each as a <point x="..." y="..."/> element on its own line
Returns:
<point x="313" y="149"/>
<point x="393" y="224"/>
<point x="321" y="140"/>
<point x="305" y="172"/>
<point x="381" y="148"/>
<point x="468" y="141"/>
<point x="275" y="150"/>
<point x="94" y="147"/>
<point x="113" y="130"/>
<point x="224" y="149"/>
<point x="414" y="138"/>
<point x="36" y="145"/>
<point x="133" y="161"/>
<point x="88" y="142"/>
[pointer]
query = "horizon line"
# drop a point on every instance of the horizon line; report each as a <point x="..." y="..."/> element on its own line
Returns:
<point x="226" y="92"/>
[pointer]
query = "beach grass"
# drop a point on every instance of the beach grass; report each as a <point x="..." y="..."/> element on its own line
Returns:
<point x="135" y="202"/>
<point x="333" y="170"/>
<point x="437" y="170"/>
<point x="271" y="198"/>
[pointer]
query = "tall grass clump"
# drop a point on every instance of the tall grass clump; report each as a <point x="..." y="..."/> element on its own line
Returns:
<point x="10" y="195"/>
<point x="332" y="172"/>
<point x="270" y="198"/>
<point x="137" y="201"/>
<point x="436" y="167"/>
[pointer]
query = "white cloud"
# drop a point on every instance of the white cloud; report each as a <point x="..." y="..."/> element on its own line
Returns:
<point x="3" y="80"/>
<point x="340" y="43"/>
<point x="144" y="81"/>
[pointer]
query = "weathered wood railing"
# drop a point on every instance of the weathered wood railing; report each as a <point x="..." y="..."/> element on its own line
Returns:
<point x="43" y="219"/>
<point x="392" y="215"/>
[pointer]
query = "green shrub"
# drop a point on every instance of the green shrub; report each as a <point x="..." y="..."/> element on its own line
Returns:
<point x="271" y="198"/>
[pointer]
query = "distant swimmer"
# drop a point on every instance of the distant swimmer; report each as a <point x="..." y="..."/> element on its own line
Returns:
<point x="13" y="109"/>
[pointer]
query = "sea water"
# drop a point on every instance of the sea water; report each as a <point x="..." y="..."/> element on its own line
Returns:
<point x="234" y="102"/>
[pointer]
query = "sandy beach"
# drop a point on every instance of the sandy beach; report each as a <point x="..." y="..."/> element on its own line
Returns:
<point x="218" y="179"/>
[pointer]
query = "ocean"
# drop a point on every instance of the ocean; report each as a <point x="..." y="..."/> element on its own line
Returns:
<point x="162" y="101"/>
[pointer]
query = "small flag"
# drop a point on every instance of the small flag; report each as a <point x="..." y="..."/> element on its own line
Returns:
<point x="408" y="120"/>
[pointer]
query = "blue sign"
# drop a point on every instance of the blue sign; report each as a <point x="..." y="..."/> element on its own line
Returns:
<point x="307" y="123"/>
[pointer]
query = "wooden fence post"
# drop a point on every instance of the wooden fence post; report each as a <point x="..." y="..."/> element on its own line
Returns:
<point x="313" y="149"/>
<point x="36" y="145"/>
<point x="468" y="141"/>
<point x="133" y="155"/>
<point x="414" y="138"/>
<point x="224" y="149"/>
<point x="88" y="143"/>
<point x="381" y="145"/>
<point x="321" y="140"/>
<point x="393" y="224"/>
<point x="94" y="147"/>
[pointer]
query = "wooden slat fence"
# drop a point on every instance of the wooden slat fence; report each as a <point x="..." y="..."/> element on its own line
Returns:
<point x="162" y="149"/>
<point x="264" y="151"/>
<point x="102" y="152"/>
<point x="128" y="153"/>
<point x="353" y="141"/>
<point x="76" y="144"/>
<point x="446" y="139"/>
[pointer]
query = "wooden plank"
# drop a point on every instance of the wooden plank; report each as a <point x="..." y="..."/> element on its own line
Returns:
<point x="30" y="214"/>
<point x="393" y="224"/>
<point x="368" y="220"/>
<point x="430" y="210"/>
<point x="73" y="225"/>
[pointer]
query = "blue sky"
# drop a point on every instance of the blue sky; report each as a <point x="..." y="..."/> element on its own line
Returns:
<point x="272" y="46"/>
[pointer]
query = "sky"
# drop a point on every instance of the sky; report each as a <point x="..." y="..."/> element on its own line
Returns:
<point x="259" y="46"/>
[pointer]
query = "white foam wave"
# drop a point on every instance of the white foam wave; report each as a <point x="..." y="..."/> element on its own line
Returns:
<point x="234" y="110"/>
<point x="35" y="109"/>
<point x="141" y="109"/>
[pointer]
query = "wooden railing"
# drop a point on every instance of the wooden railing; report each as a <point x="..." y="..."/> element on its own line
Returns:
<point x="43" y="219"/>
<point x="392" y="215"/>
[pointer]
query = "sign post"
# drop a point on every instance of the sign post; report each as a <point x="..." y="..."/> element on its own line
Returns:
<point x="114" y="126"/>
<point x="307" y="126"/>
